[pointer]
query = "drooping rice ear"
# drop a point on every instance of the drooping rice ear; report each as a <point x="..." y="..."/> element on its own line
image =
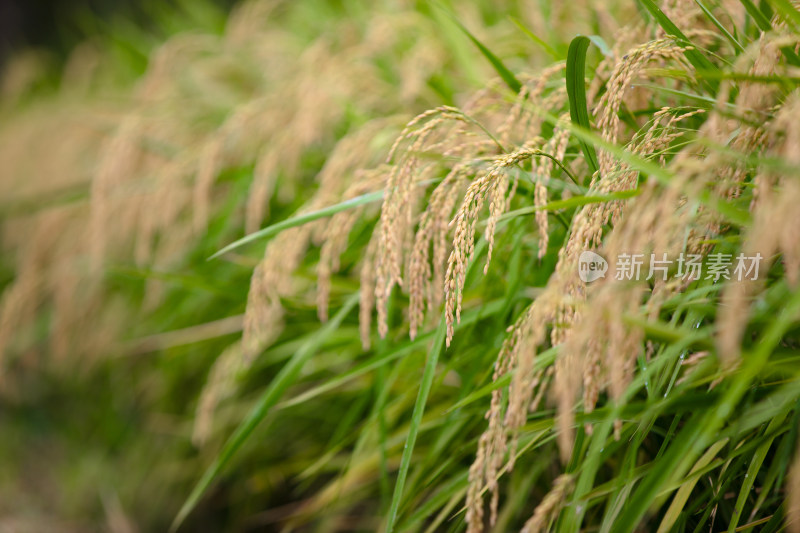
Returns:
<point x="550" y="506"/>
<point x="221" y="383"/>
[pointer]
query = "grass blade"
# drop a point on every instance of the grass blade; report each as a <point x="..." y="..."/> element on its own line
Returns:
<point x="538" y="40"/>
<point x="757" y="15"/>
<point x="416" y="420"/>
<point x="576" y="90"/>
<point x="569" y="203"/>
<point x="269" y="398"/>
<point x="601" y="45"/>
<point x="681" y="497"/>
<point x="299" y="220"/>
<point x="382" y="359"/>
<point x="752" y="471"/>
<point x="507" y="76"/>
<point x="702" y="428"/>
<point x="697" y="59"/>
<point x="764" y="24"/>
<point x="787" y="11"/>
<point x="731" y="212"/>
<point x="731" y="39"/>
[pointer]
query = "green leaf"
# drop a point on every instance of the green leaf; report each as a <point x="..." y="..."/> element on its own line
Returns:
<point x="705" y="425"/>
<point x="381" y="359"/>
<point x="576" y="90"/>
<point x="731" y="39"/>
<point x="752" y="471"/>
<point x="508" y="77"/>
<point x="696" y="58"/>
<point x="757" y="15"/>
<point x="269" y="398"/>
<point x="681" y="497"/>
<point x="764" y="24"/>
<point x="299" y="220"/>
<point x="732" y="213"/>
<point x="416" y="421"/>
<point x="538" y="40"/>
<point x="601" y="45"/>
<point x="788" y="12"/>
<point x="574" y="201"/>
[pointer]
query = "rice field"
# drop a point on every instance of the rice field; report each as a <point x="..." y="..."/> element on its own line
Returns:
<point x="404" y="266"/>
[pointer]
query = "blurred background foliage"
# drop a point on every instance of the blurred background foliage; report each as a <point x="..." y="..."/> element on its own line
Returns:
<point x="98" y="438"/>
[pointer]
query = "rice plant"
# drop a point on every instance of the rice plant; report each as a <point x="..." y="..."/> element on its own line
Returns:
<point x="412" y="266"/>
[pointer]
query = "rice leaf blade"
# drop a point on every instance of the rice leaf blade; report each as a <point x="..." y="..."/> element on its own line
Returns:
<point x="788" y="12"/>
<point x="416" y="420"/>
<point x="505" y="74"/>
<point x="538" y="40"/>
<point x="752" y="471"/>
<point x="710" y="16"/>
<point x="757" y="15"/>
<point x="268" y="399"/>
<point x="696" y="58"/>
<point x="299" y="220"/>
<point x="682" y="496"/>
<point x="576" y="91"/>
